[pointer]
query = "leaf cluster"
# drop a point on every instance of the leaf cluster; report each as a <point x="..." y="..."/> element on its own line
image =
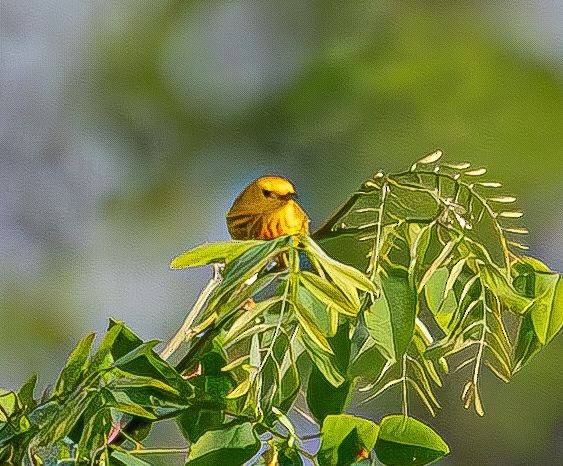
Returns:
<point x="95" y="394"/>
<point x="418" y="275"/>
<point x="440" y="243"/>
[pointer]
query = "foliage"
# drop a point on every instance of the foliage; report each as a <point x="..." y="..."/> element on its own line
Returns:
<point x="94" y="394"/>
<point x="444" y="286"/>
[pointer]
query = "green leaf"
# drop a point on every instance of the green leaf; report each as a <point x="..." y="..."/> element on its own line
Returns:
<point x="134" y="409"/>
<point x="213" y="253"/>
<point x="128" y="460"/>
<point x="194" y="422"/>
<point x="311" y="329"/>
<point x="77" y="362"/>
<point x="97" y="424"/>
<point x="339" y="272"/>
<point x="248" y="318"/>
<point x="285" y="455"/>
<point x="379" y="325"/>
<point x="26" y="392"/>
<point x="252" y="260"/>
<point x="323" y="361"/>
<point x="240" y="390"/>
<point x="249" y="263"/>
<point x="209" y="402"/>
<point x="141" y="382"/>
<point x="368" y="361"/>
<point x="527" y="343"/>
<point x="231" y="446"/>
<point x="59" y="420"/>
<point x="288" y="456"/>
<point x="323" y="315"/>
<point x="141" y="350"/>
<point x="102" y="357"/>
<point x="118" y="341"/>
<point x="501" y="287"/>
<point x="406" y="441"/>
<point x="419" y="240"/>
<point x="327" y="293"/>
<point x="396" y="306"/>
<point x="8" y="403"/>
<point x="547" y="307"/>
<point x="441" y="301"/>
<point x="537" y="282"/>
<point x="323" y="398"/>
<point x="345" y="439"/>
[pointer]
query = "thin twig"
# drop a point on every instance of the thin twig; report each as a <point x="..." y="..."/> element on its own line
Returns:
<point x="180" y="336"/>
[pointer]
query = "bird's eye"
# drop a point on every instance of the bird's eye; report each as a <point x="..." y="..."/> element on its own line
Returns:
<point x="267" y="193"/>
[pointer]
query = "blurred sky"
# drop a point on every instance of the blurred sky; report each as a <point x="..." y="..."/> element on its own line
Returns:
<point x="127" y="128"/>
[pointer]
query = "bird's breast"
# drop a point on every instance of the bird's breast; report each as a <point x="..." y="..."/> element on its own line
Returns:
<point x="287" y="220"/>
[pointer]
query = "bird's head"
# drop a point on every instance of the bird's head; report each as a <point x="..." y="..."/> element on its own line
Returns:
<point x="275" y="189"/>
<point x="265" y="194"/>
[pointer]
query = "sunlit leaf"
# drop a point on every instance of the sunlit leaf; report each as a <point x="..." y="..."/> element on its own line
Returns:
<point x="396" y="305"/>
<point x="477" y="172"/>
<point x="339" y="272"/>
<point x="323" y="315"/>
<point x="311" y="329"/>
<point x="231" y="446"/>
<point x="128" y="459"/>
<point x="327" y="293"/>
<point x="502" y="288"/>
<point x="547" y="308"/>
<point x="323" y="361"/>
<point x="323" y="397"/>
<point x="404" y="441"/>
<point x="240" y="390"/>
<point x="76" y="364"/>
<point x="431" y="158"/>
<point x="141" y="382"/>
<point x="440" y="300"/>
<point x="345" y="439"/>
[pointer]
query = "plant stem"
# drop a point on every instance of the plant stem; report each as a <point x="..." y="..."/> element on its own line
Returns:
<point x="182" y="333"/>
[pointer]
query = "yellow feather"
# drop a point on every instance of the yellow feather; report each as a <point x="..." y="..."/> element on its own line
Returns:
<point x="266" y="209"/>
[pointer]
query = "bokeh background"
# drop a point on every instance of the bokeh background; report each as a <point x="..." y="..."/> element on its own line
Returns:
<point x="127" y="128"/>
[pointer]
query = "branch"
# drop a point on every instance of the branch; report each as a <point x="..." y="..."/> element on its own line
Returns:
<point x="183" y="332"/>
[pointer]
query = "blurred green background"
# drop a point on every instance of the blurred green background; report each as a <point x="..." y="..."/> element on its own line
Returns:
<point x="127" y="128"/>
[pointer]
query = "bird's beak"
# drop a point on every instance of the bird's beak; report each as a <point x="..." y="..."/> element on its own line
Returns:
<point x="290" y="196"/>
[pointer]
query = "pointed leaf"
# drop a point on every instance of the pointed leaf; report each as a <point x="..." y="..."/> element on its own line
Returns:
<point x="141" y="382"/>
<point x="128" y="460"/>
<point x="323" y="361"/>
<point x="501" y="287"/>
<point x="397" y="306"/>
<point x="213" y="253"/>
<point x="547" y="309"/>
<point x="345" y="439"/>
<point x="327" y="293"/>
<point x="142" y="350"/>
<point x="323" y="315"/>
<point x="431" y="158"/>
<point x="75" y="366"/>
<point x="231" y="446"/>
<point x="239" y="391"/>
<point x="340" y="272"/>
<point x="440" y="301"/>
<point x="323" y="398"/>
<point x="26" y="393"/>
<point x="311" y="329"/>
<point x="406" y="441"/>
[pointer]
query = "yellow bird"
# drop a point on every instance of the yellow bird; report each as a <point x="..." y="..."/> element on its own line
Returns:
<point x="267" y="209"/>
